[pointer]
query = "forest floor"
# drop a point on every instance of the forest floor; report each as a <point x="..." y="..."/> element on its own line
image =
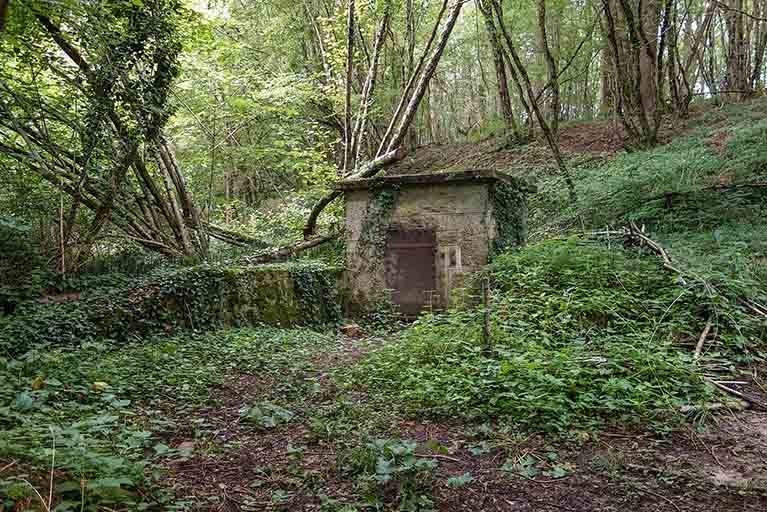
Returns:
<point x="302" y="464"/>
<point x="591" y="336"/>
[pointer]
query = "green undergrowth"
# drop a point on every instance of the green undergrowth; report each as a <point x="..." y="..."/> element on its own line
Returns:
<point x="97" y="412"/>
<point x="583" y="335"/>
<point x="195" y="298"/>
<point x="702" y="196"/>
<point x="697" y="180"/>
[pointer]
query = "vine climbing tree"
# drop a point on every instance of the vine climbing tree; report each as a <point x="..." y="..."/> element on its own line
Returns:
<point x="84" y="109"/>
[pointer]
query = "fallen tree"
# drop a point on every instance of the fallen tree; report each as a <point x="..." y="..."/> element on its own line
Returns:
<point x="289" y="250"/>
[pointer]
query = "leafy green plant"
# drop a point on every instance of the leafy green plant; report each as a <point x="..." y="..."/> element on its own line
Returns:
<point x="583" y="335"/>
<point x="390" y="471"/>
<point x="80" y="408"/>
<point x="266" y="415"/>
<point x="459" y="481"/>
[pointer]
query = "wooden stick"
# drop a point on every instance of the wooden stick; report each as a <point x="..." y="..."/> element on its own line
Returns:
<point x="655" y="246"/>
<point x="756" y="404"/>
<point x="740" y="405"/>
<point x="436" y="456"/>
<point x="702" y="339"/>
<point x="486" y="340"/>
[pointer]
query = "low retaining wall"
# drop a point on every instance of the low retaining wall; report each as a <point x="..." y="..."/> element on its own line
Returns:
<point x="201" y="297"/>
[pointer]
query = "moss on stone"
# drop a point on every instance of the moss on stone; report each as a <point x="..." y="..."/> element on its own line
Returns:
<point x="510" y="212"/>
<point x="201" y="297"/>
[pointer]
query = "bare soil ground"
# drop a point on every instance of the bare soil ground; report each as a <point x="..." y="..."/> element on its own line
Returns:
<point x="721" y="467"/>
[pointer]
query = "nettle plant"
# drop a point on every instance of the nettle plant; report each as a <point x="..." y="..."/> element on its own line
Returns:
<point x="389" y="472"/>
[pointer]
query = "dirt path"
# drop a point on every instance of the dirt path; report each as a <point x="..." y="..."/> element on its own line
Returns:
<point x="298" y="464"/>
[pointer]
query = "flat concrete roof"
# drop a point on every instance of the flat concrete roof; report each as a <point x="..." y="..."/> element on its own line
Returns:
<point x="437" y="178"/>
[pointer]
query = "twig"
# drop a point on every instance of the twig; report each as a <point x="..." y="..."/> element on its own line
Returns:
<point x="10" y="464"/>
<point x="486" y="338"/>
<point x="753" y="306"/>
<point x="740" y="405"/>
<point x="53" y="464"/>
<point x="436" y="456"/>
<point x="754" y="403"/>
<point x="648" y="491"/>
<point x="702" y="339"/>
<point x="709" y="450"/>
<point x="39" y="496"/>
<point x="548" y="481"/>
<point x="655" y="246"/>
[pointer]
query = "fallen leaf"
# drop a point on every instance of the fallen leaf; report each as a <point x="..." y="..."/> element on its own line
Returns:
<point x="39" y="383"/>
<point x="100" y="386"/>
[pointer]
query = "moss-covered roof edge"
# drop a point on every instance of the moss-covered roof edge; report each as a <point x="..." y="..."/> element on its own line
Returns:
<point x="442" y="178"/>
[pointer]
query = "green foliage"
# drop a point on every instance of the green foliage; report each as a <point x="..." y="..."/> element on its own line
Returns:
<point x="510" y="212"/>
<point x="635" y="186"/>
<point x="19" y="262"/>
<point x="198" y="297"/>
<point x="390" y="472"/>
<point x="582" y="335"/>
<point x="100" y="406"/>
<point x="266" y="415"/>
<point x="460" y="481"/>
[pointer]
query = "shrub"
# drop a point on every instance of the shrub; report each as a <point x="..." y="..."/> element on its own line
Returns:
<point x="582" y="335"/>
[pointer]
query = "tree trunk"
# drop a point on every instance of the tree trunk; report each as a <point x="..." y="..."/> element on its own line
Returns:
<point x="370" y="81"/>
<point x="166" y="204"/>
<point x="348" y="86"/>
<point x="3" y="13"/>
<point x="553" y="145"/>
<point x="551" y="67"/>
<point x="504" y="98"/>
<point x="410" y="83"/>
<point x="423" y="81"/>
<point x="760" y="43"/>
<point x="369" y="170"/>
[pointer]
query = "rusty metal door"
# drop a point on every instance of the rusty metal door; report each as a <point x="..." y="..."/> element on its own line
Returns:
<point x="409" y="268"/>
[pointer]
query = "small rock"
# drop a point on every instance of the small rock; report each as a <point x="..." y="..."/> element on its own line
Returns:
<point x="352" y="330"/>
<point x="186" y="445"/>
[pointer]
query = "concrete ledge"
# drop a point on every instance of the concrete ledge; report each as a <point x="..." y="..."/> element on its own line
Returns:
<point x="452" y="178"/>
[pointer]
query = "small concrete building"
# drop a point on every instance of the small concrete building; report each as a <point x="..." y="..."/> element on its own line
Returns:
<point x="410" y="238"/>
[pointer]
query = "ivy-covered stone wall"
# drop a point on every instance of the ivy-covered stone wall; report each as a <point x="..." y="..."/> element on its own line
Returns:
<point x="510" y="213"/>
<point x="200" y="297"/>
<point x="472" y="215"/>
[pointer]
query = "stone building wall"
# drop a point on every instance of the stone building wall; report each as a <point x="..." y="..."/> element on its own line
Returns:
<point x="461" y="215"/>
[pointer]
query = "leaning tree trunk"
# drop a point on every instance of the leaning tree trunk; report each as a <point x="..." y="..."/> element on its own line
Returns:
<point x="395" y="150"/>
<point x="500" y="69"/>
<point x="553" y="146"/>
<point x="369" y="86"/>
<point x="146" y="230"/>
<point x="348" y="88"/>
<point x="425" y="78"/>
<point x="396" y="116"/>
